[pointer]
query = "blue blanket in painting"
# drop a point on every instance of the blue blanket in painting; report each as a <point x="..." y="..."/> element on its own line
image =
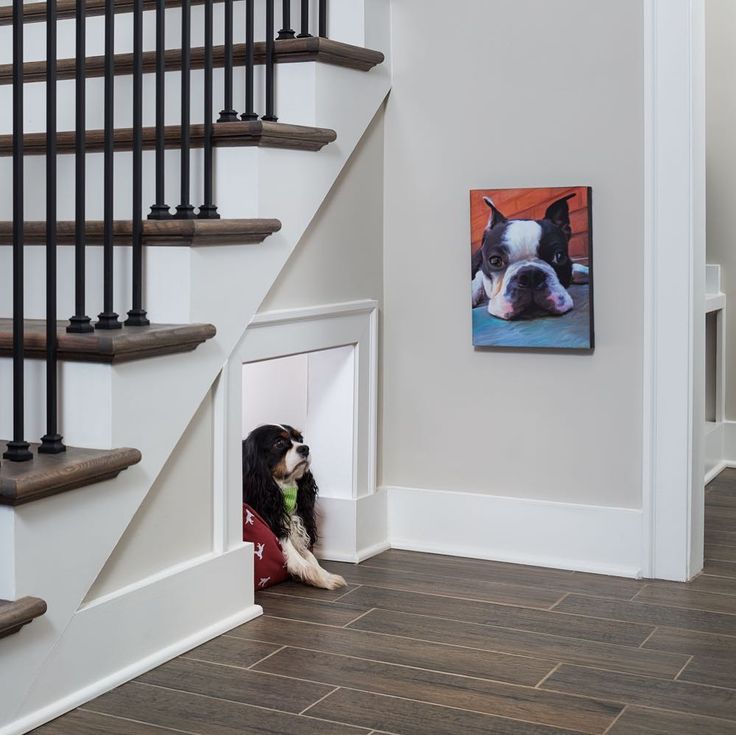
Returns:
<point x="569" y="332"/>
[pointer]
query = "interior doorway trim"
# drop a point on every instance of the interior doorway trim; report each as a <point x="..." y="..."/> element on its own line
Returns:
<point x="674" y="284"/>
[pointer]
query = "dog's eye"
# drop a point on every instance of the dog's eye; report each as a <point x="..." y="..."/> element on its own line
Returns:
<point x="495" y="261"/>
<point x="559" y="258"/>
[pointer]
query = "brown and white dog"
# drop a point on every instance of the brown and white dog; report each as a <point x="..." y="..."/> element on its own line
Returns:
<point x="276" y="464"/>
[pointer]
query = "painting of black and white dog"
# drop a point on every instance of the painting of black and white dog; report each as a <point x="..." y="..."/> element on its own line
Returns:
<point x="524" y="269"/>
<point x="278" y="484"/>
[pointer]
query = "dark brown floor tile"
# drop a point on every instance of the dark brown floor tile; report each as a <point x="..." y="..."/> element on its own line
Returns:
<point x="232" y="651"/>
<point x="720" y="568"/>
<point x="206" y="715"/>
<point x="728" y="475"/>
<point x="720" y="537"/>
<point x="688" y="597"/>
<point x="720" y="519"/>
<point x="388" y="649"/>
<point x="720" y="552"/>
<point x="405" y="717"/>
<point x="711" y="671"/>
<point x="705" y="583"/>
<point x="644" y="691"/>
<point x="693" y="643"/>
<point x="721" y="497"/>
<point x="481" y="637"/>
<point x="505" y="700"/>
<point x="505" y="616"/>
<point x="640" y="721"/>
<point x="80" y="722"/>
<point x="453" y="567"/>
<point x="715" y="655"/>
<point x="296" y="589"/>
<point x="509" y="594"/>
<point x="311" y="611"/>
<point x="650" y="614"/>
<point x="237" y="685"/>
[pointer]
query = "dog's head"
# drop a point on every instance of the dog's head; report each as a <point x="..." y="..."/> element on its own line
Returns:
<point x="275" y="456"/>
<point x="525" y="264"/>
<point x="281" y="449"/>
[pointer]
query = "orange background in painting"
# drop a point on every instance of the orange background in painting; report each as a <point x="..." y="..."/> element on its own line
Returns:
<point x="532" y="204"/>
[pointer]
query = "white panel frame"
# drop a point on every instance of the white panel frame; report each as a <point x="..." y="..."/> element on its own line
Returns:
<point x="674" y="339"/>
<point x="287" y="332"/>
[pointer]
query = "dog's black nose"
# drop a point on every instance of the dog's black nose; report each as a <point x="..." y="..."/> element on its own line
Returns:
<point x="303" y="450"/>
<point x="531" y="278"/>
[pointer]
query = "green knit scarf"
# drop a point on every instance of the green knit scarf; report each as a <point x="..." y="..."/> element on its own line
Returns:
<point x="290" y="497"/>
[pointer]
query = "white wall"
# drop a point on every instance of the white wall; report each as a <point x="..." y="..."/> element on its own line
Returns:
<point x="721" y="162"/>
<point x="340" y="256"/>
<point x="275" y="392"/>
<point x="543" y="93"/>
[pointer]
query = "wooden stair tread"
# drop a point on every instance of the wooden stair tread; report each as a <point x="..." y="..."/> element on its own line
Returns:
<point x="287" y="51"/>
<point x="14" y="614"/>
<point x="109" y="346"/>
<point x="36" y="12"/>
<point x="232" y="134"/>
<point x="51" y="474"/>
<point x="169" y="232"/>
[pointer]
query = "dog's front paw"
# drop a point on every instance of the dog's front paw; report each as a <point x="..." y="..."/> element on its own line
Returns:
<point x="334" y="582"/>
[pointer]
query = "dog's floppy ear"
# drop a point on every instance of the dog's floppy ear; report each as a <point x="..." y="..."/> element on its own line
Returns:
<point x="305" y="505"/>
<point x="261" y="492"/>
<point x="496" y="217"/>
<point x="559" y="214"/>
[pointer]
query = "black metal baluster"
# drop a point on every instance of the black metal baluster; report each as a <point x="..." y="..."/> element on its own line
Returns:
<point x="18" y="449"/>
<point x="80" y="322"/>
<point x="108" y="319"/>
<point x="323" y="18"/>
<point x="137" y="314"/>
<point x="305" y="20"/>
<point x="185" y="210"/>
<point x="250" y="58"/>
<point x="270" y="115"/>
<point x="286" y="31"/>
<point x="208" y="210"/>
<point x="159" y="210"/>
<point x="228" y="114"/>
<point x="51" y="442"/>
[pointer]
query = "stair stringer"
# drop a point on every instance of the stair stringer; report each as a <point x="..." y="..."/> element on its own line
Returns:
<point x="50" y="674"/>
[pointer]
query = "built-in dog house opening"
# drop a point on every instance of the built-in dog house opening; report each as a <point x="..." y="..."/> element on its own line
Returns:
<point x="315" y="393"/>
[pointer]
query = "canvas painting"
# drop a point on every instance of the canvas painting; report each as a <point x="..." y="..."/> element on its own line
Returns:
<point x="532" y="268"/>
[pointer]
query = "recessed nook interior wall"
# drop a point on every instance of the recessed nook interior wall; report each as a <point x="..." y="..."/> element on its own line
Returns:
<point x="314" y="392"/>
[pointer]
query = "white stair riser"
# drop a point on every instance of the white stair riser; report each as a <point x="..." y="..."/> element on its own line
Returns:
<point x="345" y="24"/>
<point x="289" y="101"/>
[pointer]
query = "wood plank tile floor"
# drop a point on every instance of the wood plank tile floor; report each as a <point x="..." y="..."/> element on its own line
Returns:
<point x="433" y="645"/>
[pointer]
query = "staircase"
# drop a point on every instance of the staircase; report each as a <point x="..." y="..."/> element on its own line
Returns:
<point x="123" y="398"/>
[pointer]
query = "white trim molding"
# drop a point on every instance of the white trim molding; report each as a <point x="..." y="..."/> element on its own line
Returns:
<point x="540" y="533"/>
<point x="674" y="282"/>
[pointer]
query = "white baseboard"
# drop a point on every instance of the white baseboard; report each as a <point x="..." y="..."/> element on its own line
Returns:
<point x="584" y="538"/>
<point x="729" y="443"/>
<point x="138" y="629"/>
<point x="716" y="470"/>
<point x="353" y="530"/>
